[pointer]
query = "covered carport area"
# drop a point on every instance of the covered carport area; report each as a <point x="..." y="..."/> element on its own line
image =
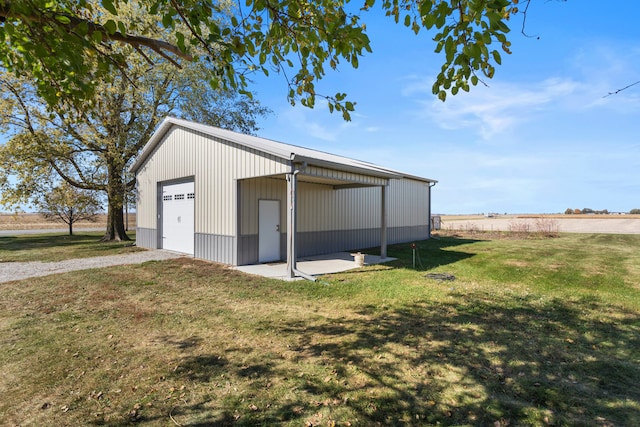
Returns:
<point x="341" y="178"/>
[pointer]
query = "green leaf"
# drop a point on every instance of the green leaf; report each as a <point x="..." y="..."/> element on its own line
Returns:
<point x="108" y="4"/>
<point x="8" y="28"/>
<point x="167" y="20"/>
<point x="496" y="57"/>
<point x="180" y="41"/>
<point x="63" y="19"/>
<point x="96" y="36"/>
<point x="428" y="20"/>
<point x="449" y="49"/>
<point x="110" y="26"/>
<point x="425" y="11"/>
<point x="82" y="28"/>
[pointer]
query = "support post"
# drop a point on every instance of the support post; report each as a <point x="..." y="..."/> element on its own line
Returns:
<point x="429" y="219"/>
<point x="383" y="223"/>
<point x="292" y="184"/>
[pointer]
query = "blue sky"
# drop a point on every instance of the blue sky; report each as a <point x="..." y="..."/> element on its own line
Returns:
<point x="542" y="137"/>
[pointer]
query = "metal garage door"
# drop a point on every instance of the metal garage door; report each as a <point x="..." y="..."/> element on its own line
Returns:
<point x="178" y="202"/>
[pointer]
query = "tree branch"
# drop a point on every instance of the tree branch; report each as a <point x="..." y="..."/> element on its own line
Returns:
<point x="524" y="21"/>
<point x="54" y="19"/>
<point x="620" y="90"/>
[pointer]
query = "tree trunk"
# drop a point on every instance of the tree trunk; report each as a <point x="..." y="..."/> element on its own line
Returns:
<point x="115" y="217"/>
<point x="115" y="225"/>
<point x="70" y="228"/>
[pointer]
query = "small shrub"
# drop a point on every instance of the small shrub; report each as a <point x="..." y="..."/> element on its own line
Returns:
<point x="547" y="227"/>
<point x="472" y="228"/>
<point x="519" y="227"/>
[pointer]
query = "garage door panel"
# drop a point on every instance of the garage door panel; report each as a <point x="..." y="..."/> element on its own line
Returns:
<point x="178" y="217"/>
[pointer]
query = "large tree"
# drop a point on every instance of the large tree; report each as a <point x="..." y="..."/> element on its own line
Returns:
<point x="90" y="145"/>
<point x="68" y="45"/>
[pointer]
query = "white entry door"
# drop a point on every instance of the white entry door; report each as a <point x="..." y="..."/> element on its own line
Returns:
<point x="178" y="217"/>
<point x="268" y="230"/>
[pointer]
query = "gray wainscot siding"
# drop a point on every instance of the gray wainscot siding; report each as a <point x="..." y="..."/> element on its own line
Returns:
<point x="407" y="234"/>
<point x="248" y="249"/>
<point x="147" y="238"/>
<point x="322" y="242"/>
<point x="216" y="248"/>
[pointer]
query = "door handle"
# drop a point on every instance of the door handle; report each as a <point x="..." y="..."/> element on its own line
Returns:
<point x="277" y="227"/>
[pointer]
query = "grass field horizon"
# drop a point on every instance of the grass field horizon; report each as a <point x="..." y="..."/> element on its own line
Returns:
<point x="531" y="332"/>
<point x="34" y="221"/>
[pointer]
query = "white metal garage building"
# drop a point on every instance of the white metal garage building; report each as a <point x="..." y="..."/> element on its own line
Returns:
<point x="239" y="199"/>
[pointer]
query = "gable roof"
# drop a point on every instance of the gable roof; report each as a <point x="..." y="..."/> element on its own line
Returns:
<point x="290" y="152"/>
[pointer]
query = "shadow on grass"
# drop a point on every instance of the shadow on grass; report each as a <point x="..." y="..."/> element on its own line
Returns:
<point x="483" y="360"/>
<point x="486" y="361"/>
<point x="429" y="253"/>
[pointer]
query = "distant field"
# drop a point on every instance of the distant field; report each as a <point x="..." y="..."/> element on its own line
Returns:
<point x="34" y="221"/>
<point x="609" y="224"/>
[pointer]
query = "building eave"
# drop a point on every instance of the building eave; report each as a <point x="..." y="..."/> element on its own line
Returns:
<point x="277" y="149"/>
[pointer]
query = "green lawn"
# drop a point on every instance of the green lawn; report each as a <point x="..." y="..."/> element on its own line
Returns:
<point x="530" y="332"/>
<point x="60" y="246"/>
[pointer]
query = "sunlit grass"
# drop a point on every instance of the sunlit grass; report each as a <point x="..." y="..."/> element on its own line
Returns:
<point x="60" y="246"/>
<point x="529" y="333"/>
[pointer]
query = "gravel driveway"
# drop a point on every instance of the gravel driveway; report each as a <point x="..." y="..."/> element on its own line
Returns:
<point x="10" y="271"/>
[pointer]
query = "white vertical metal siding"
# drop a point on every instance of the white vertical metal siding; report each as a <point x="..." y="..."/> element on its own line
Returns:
<point x="408" y="203"/>
<point x="214" y="164"/>
<point x="323" y="208"/>
<point x="253" y="190"/>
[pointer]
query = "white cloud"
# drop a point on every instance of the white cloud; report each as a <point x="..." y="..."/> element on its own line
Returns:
<point x="579" y="84"/>
<point x="498" y="108"/>
<point x="301" y="118"/>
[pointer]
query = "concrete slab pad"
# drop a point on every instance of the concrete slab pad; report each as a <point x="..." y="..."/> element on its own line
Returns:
<point x="314" y="265"/>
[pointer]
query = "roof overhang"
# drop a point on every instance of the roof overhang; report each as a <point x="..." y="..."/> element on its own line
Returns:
<point x="292" y="153"/>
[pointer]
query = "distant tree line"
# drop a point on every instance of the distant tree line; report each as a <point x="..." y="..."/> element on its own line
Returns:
<point x="571" y="211"/>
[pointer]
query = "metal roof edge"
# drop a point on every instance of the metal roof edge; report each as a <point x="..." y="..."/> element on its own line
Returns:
<point x="146" y="151"/>
<point x="371" y="170"/>
<point x="286" y="152"/>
